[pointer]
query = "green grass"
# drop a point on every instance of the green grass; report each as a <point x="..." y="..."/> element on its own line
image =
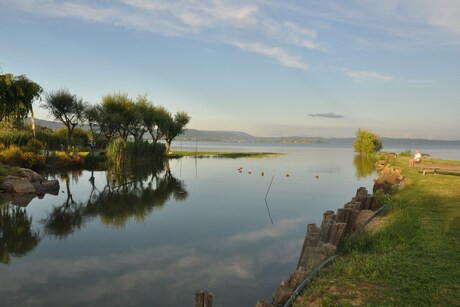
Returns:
<point x="212" y="154"/>
<point x="413" y="260"/>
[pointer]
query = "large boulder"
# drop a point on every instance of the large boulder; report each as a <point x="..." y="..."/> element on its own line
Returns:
<point x="28" y="182"/>
<point x="14" y="184"/>
<point x="48" y="186"/>
<point x="30" y="175"/>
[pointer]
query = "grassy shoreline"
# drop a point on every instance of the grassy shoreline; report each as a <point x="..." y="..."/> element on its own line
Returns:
<point x="413" y="259"/>
<point x="220" y="154"/>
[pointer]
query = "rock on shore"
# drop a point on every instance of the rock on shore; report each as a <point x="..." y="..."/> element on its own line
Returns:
<point x="28" y="182"/>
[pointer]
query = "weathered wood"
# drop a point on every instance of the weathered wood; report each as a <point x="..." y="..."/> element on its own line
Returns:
<point x="343" y="215"/>
<point x="262" y="303"/>
<point x="199" y="299"/>
<point x="202" y="299"/>
<point x="438" y="167"/>
<point x="366" y="203"/>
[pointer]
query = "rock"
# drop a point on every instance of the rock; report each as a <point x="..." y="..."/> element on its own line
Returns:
<point x="30" y="175"/>
<point x="48" y="186"/>
<point x="28" y="182"/>
<point x="13" y="184"/>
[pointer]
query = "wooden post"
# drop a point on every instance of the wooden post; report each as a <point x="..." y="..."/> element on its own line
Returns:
<point x="202" y="299"/>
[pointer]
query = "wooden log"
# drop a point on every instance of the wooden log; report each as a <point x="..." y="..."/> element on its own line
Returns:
<point x="326" y="217"/>
<point x="262" y="303"/>
<point x="202" y="299"/>
<point x="338" y="233"/>
<point x="374" y="204"/>
<point x="343" y="215"/>
<point x="351" y="225"/>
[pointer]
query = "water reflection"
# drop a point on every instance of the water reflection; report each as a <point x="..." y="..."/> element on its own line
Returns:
<point x="16" y="236"/>
<point x="66" y="218"/>
<point x="125" y="195"/>
<point x="365" y="165"/>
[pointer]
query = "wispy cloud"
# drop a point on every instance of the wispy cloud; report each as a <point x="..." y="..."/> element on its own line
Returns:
<point x="367" y="75"/>
<point x="245" y="22"/>
<point x="327" y="115"/>
<point x="276" y="53"/>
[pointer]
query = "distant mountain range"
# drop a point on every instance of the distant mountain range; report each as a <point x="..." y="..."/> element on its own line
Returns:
<point x="243" y="137"/>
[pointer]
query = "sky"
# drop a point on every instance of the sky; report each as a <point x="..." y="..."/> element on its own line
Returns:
<point x="269" y="68"/>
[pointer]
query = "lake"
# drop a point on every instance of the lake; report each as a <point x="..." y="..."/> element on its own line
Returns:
<point x="153" y="238"/>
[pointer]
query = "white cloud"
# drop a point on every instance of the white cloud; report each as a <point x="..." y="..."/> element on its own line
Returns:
<point x="272" y="231"/>
<point x="221" y="21"/>
<point x="367" y="75"/>
<point x="278" y="54"/>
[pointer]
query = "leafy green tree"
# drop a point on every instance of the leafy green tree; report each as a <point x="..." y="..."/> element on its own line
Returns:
<point x="172" y="127"/>
<point x="65" y="107"/>
<point x="119" y="115"/>
<point x="367" y="142"/>
<point x="17" y="94"/>
<point x="154" y="118"/>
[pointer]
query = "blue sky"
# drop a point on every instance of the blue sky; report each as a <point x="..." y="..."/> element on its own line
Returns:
<point x="278" y="68"/>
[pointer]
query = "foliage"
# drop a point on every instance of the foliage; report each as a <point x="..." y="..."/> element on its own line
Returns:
<point x="367" y="142"/>
<point x="122" y="154"/>
<point x="173" y="127"/>
<point x="406" y="153"/>
<point x="65" y="107"/>
<point x="80" y="136"/>
<point x="14" y="156"/>
<point x="34" y="146"/>
<point x="50" y="140"/>
<point x="17" y="94"/>
<point x="16" y="236"/>
<point x="116" y="153"/>
<point x="142" y="150"/>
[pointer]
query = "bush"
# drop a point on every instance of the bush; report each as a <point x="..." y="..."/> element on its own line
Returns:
<point x="406" y="153"/>
<point x="34" y="161"/>
<point x="13" y="156"/>
<point x="121" y="153"/>
<point x="116" y="153"/>
<point x="34" y="146"/>
<point x="367" y="142"/>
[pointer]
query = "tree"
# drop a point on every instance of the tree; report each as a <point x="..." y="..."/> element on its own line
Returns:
<point x="173" y="127"/>
<point x="154" y="118"/>
<point x="119" y="114"/>
<point x="367" y="142"/>
<point x="17" y="93"/>
<point x="65" y="107"/>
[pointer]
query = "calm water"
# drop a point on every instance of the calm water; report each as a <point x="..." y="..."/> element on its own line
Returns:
<point x="155" y="240"/>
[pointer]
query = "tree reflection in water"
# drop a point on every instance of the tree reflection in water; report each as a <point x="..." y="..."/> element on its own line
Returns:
<point x="126" y="195"/>
<point x="16" y="236"/>
<point x="365" y="165"/>
<point x="66" y="218"/>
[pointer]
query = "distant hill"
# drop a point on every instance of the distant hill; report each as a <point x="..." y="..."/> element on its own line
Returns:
<point x="53" y="125"/>
<point x="239" y="136"/>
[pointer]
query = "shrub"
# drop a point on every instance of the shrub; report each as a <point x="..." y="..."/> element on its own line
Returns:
<point x="13" y="156"/>
<point x="34" y="146"/>
<point x="34" y="161"/>
<point x="121" y="153"/>
<point x="406" y="153"/>
<point x="367" y="142"/>
<point x="116" y="153"/>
